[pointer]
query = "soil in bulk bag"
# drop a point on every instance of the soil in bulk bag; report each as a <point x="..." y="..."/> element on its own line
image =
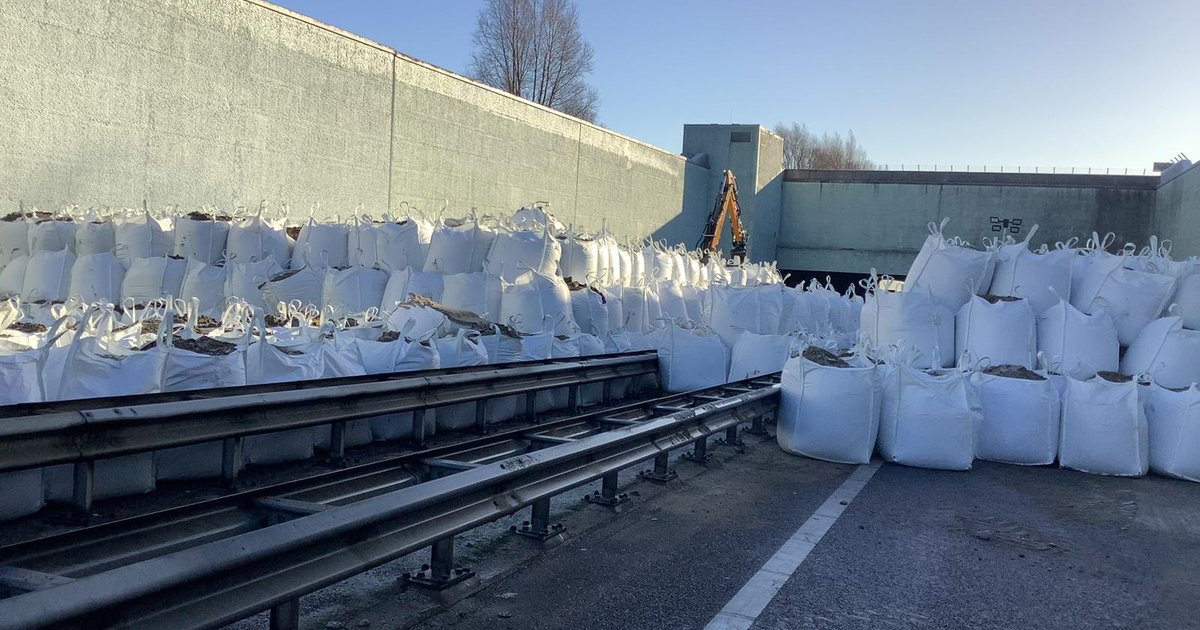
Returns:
<point x="140" y="235"/>
<point x="14" y="237"/>
<point x="1000" y="330"/>
<point x="689" y="358"/>
<point x="199" y="362"/>
<point x="913" y="319"/>
<point x="477" y="292"/>
<point x="829" y="407"/>
<point x="406" y="282"/>
<point x="268" y="363"/>
<point x="753" y="309"/>
<point x="755" y="355"/>
<point x="97" y="278"/>
<point x="514" y="252"/>
<point x="48" y="276"/>
<point x="1104" y="428"/>
<point x="242" y="280"/>
<point x="535" y="300"/>
<point x="580" y="258"/>
<point x="95" y="236"/>
<point x="1076" y="344"/>
<point x="12" y="276"/>
<point x="1166" y="351"/>
<point x="303" y="285"/>
<point x="354" y="290"/>
<point x="463" y="349"/>
<point x="149" y="279"/>
<point x="52" y="235"/>
<point x="321" y="245"/>
<point x="589" y="308"/>
<point x="1020" y="416"/>
<point x="950" y="269"/>
<point x="1173" y="421"/>
<point x="202" y="235"/>
<point x="459" y="246"/>
<point x="928" y="419"/>
<point x="1133" y="299"/>
<point x="1039" y="277"/>
<point x="204" y="284"/>
<point x="255" y="239"/>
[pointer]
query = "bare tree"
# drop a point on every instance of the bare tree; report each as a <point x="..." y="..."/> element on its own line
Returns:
<point x="804" y="149"/>
<point x="533" y="48"/>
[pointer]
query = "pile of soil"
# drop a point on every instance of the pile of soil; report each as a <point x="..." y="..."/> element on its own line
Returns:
<point x="149" y="326"/>
<point x="205" y="345"/>
<point x="1000" y="298"/>
<point x="284" y="276"/>
<point x="821" y="356"/>
<point x="17" y="216"/>
<point x="275" y="321"/>
<point x="293" y="231"/>
<point x="28" y="327"/>
<point x="204" y="216"/>
<point x="204" y="322"/>
<point x="289" y="351"/>
<point x="1114" y="377"/>
<point x="1013" y="371"/>
<point x="389" y="336"/>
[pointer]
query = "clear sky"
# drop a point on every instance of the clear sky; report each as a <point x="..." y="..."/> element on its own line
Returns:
<point x="1102" y="83"/>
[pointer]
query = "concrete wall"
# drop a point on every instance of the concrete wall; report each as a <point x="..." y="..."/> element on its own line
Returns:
<point x="1177" y="213"/>
<point x="851" y="221"/>
<point x="221" y="102"/>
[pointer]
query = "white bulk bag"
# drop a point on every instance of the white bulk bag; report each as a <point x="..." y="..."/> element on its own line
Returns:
<point x="97" y="278"/>
<point x="14" y="238"/>
<point x="536" y="299"/>
<point x="266" y="363"/>
<point x="12" y="276"/>
<point x="1187" y="294"/>
<point x="459" y="246"/>
<point x="911" y="319"/>
<point x="301" y="285"/>
<point x="206" y="284"/>
<point x="603" y="274"/>
<point x="950" y="271"/>
<point x="339" y="358"/>
<point x="928" y="420"/>
<point x="401" y="245"/>
<point x="670" y="298"/>
<point x="829" y="413"/>
<point x="693" y="302"/>
<point x="1020" y="418"/>
<point x="616" y="309"/>
<point x="503" y="348"/>
<point x="139" y="235"/>
<point x="637" y="268"/>
<point x="640" y="309"/>
<point x="1104" y="428"/>
<point x="1004" y="333"/>
<point x="353" y="290"/>
<point x="48" y="276"/>
<point x="153" y="278"/>
<point x="321" y="245"/>
<point x="242" y="280"/>
<point x="363" y="247"/>
<point x="255" y="239"/>
<point x="589" y="307"/>
<point x="476" y="292"/>
<point x="1173" y="420"/>
<point x="625" y="261"/>
<point x="689" y="358"/>
<point x="512" y="253"/>
<point x="201" y="238"/>
<point x="51" y="235"/>
<point x="796" y="314"/>
<point x="1039" y="277"/>
<point x="580" y="258"/>
<point x="405" y="282"/>
<point x="755" y="355"/>
<point x="1077" y="344"/>
<point x="417" y="322"/>
<point x="754" y="309"/>
<point x="405" y="355"/>
<point x="1133" y="299"/>
<point x="1167" y="351"/>
<point x="464" y="349"/>
<point x="536" y="217"/>
<point x="95" y="237"/>
<point x="1090" y="266"/>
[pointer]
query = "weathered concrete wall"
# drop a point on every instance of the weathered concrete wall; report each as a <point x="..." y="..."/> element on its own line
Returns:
<point x="1177" y="213"/>
<point x="853" y="221"/>
<point x="220" y="102"/>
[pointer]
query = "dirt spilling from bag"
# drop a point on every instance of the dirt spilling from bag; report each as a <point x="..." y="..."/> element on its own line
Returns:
<point x="993" y="299"/>
<point x="1013" y="371"/>
<point x="463" y="317"/>
<point x="28" y="327"/>
<point x="204" y="216"/>
<point x="17" y="216"/>
<point x="391" y="335"/>
<point x="1114" y="377"/>
<point x="575" y="286"/>
<point x="821" y="356"/>
<point x="205" y="345"/>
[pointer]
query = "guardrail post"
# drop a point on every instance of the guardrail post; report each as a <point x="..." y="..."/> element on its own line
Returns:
<point x="530" y="408"/>
<point x="608" y="395"/>
<point x="756" y="426"/>
<point x="608" y="495"/>
<point x="418" y="426"/>
<point x="573" y="399"/>
<point x="286" y="615"/>
<point x="231" y="460"/>
<point x="699" y="452"/>
<point x="732" y="438"/>
<point x="85" y="485"/>
<point x="481" y="415"/>
<point x="337" y="441"/>
<point x="441" y="572"/>
<point x="662" y="472"/>
<point x="539" y="527"/>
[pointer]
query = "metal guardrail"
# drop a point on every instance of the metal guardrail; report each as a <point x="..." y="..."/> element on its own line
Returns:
<point x="222" y="581"/>
<point x="81" y="432"/>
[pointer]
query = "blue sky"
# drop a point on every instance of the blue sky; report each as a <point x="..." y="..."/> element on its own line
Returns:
<point x="1102" y="83"/>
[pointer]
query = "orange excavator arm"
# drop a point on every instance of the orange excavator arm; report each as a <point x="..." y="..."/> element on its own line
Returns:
<point x="726" y="205"/>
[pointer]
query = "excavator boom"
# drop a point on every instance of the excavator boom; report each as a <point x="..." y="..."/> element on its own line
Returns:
<point x="726" y="205"/>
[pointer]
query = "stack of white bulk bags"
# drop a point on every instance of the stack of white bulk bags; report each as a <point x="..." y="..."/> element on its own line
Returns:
<point x="48" y="276"/>
<point x="514" y="252"/>
<point x="1104" y="428"/>
<point x="690" y="358"/>
<point x="914" y="319"/>
<point x="1077" y="344"/>
<point x="97" y="278"/>
<point x="1166" y="351"/>
<point x="1173" y="421"/>
<point x="321" y="245"/>
<point x="459" y="246"/>
<point x="949" y="269"/>
<point x="829" y="408"/>
<point x="201" y="236"/>
<point x="1039" y="277"/>
<point x="928" y="419"/>
<point x="1000" y="332"/>
<point x="1020" y="416"/>
<point x="140" y="235"/>
<point x="755" y="355"/>
<point x="254" y="239"/>
<point x="354" y="290"/>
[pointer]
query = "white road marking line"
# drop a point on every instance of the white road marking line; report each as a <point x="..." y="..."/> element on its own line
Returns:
<point x="745" y="607"/>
